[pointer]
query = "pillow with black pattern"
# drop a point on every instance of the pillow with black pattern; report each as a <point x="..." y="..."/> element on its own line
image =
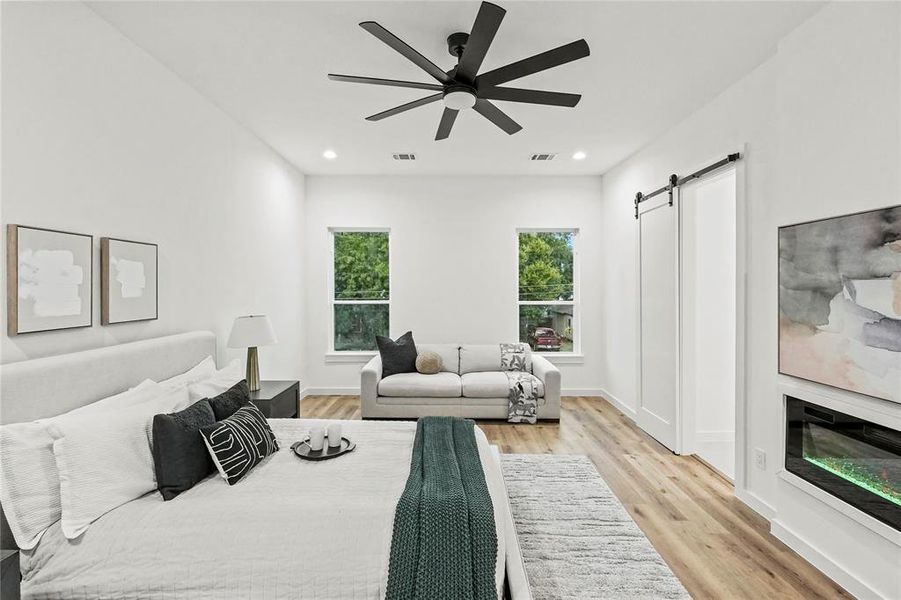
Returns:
<point x="239" y="443"/>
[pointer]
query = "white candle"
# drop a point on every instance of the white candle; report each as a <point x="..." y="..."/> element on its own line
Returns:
<point x="334" y="435"/>
<point x="317" y="435"/>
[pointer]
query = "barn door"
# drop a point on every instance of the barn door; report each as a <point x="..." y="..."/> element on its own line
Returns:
<point x="658" y="404"/>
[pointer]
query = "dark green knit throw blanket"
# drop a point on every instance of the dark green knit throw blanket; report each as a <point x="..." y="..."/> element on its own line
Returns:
<point x="444" y="543"/>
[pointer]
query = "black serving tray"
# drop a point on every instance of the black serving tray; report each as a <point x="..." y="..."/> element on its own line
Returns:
<point x="303" y="450"/>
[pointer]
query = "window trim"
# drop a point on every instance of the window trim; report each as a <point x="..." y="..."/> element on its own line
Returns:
<point x="353" y="355"/>
<point x="576" y="354"/>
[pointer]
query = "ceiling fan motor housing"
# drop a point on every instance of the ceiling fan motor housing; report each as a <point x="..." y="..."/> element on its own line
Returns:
<point x="459" y="97"/>
<point x="456" y="43"/>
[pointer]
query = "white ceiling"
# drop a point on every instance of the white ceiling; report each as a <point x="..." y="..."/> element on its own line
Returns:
<point x="651" y="65"/>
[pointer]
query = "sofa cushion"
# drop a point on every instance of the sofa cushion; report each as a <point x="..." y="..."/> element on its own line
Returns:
<point x="412" y="385"/>
<point x="449" y="353"/>
<point x="480" y="357"/>
<point x="491" y="385"/>
<point x="475" y="358"/>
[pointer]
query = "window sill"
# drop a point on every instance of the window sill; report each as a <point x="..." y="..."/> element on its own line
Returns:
<point x="563" y="358"/>
<point x="349" y="357"/>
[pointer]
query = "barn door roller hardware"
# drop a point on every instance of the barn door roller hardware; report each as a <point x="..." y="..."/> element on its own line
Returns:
<point x="675" y="181"/>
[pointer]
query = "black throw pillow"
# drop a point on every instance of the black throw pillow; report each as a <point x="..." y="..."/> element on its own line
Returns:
<point x="225" y="404"/>
<point x="180" y="457"/>
<point x="397" y="356"/>
<point x="239" y="443"/>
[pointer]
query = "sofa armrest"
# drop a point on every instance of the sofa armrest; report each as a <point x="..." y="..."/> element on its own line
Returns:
<point x="370" y="375"/>
<point x="549" y="375"/>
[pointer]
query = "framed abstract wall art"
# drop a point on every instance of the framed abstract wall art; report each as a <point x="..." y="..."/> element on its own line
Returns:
<point x="49" y="279"/>
<point x="840" y="302"/>
<point x="128" y="281"/>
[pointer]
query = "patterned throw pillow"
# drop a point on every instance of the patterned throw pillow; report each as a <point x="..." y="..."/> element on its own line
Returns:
<point x="516" y="357"/>
<point x="239" y="443"/>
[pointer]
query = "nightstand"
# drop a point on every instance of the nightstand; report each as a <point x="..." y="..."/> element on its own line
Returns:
<point x="9" y="575"/>
<point x="278" y="399"/>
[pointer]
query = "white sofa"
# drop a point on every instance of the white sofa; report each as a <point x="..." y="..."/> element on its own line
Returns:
<point x="470" y="385"/>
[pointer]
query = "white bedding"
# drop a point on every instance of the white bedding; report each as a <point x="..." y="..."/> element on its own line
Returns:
<point x="290" y="529"/>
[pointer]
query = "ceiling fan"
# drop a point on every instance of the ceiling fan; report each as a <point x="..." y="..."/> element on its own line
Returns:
<point x="462" y="87"/>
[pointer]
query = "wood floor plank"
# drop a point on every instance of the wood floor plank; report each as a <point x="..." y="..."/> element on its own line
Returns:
<point x="717" y="546"/>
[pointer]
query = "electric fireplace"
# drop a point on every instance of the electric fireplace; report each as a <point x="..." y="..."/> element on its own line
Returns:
<point x="853" y="459"/>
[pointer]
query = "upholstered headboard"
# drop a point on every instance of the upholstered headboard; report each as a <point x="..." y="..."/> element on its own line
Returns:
<point x="46" y="387"/>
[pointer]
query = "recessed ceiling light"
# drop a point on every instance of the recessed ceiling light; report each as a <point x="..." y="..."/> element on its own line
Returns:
<point x="329" y="155"/>
<point x="579" y="155"/>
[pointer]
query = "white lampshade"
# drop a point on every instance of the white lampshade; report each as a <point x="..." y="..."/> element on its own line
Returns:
<point x="251" y="331"/>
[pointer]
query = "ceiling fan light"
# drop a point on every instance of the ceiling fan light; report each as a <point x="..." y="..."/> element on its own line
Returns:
<point x="459" y="100"/>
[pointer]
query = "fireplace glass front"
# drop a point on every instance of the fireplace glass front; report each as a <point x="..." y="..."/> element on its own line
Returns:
<point x="853" y="459"/>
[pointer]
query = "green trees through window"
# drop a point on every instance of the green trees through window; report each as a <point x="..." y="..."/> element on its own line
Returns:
<point x="547" y="290"/>
<point x="361" y="289"/>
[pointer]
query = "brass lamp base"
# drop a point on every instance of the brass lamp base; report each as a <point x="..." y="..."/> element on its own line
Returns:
<point x="253" y="369"/>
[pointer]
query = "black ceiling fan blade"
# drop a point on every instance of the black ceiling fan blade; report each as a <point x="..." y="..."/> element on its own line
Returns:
<point x="447" y="122"/>
<point x="530" y="96"/>
<point x="483" y="31"/>
<point x="403" y="48"/>
<point x="534" y="64"/>
<point x="404" y="107"/>
<point x="496" y="116"/>
<point x="389" y="82"/>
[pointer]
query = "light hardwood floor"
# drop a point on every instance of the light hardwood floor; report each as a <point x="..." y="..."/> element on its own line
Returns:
<point x="717" y="546"/>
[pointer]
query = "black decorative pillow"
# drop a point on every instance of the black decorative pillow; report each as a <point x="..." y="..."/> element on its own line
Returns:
<point x="397" y="356"/>
<point x="225" y="404"/>
<point x="239" y="443"/>
<point x="180" y="457"/>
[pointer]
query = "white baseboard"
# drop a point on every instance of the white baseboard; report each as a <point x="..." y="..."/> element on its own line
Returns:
<point x="755" y="503"/>
<point x="355" y="391"/>
<point x="619" y="404"/>
<point x="838" y="574"/>
<point x="581" y="392"/>
<point x="330" y="391"/>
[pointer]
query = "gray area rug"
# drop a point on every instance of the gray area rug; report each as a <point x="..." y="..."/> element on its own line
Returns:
<point x="577" y="539"/>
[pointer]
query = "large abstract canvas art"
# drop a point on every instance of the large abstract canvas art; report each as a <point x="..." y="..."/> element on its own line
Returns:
<point x="49" y="284"/>
<point x="840" y="302"/>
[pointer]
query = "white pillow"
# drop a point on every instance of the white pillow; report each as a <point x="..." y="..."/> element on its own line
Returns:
<point x="219" y="382"/>
<point x="106" y="460"/>
<point x="29" y="480"/>
<point x="203" y="370"/>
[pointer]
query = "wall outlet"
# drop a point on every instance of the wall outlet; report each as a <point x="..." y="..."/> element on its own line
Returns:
<point x="760" y="458"/>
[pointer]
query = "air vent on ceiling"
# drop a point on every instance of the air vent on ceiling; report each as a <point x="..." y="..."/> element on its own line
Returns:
<point x="544" y="156"/>
<point x="405" y="156"/>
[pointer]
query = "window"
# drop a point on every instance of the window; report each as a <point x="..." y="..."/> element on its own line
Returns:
<point x="360" y="289"/>
<point x="548" y="315"/>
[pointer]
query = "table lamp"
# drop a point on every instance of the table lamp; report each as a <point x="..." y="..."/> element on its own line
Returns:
<point x="250" y="332"/>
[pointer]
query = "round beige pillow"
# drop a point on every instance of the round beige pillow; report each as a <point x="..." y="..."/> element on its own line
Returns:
<point x="428" y="363"/>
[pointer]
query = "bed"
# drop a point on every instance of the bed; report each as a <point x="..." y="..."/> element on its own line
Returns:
<point x="291" y="529"/>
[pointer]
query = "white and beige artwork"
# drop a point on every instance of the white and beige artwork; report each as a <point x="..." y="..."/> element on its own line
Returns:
<point x="50" y="279"/>
<point x="129" y="280"/>
<point x="840" y="302"/>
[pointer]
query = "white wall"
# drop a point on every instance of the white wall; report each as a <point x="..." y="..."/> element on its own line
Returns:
<point x="99" y="138"/>
<point x="453" y="258"/>
<point x="823" y="132"/>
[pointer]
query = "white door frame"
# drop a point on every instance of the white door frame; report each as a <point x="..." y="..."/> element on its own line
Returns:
<point x="741" y="276"/>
